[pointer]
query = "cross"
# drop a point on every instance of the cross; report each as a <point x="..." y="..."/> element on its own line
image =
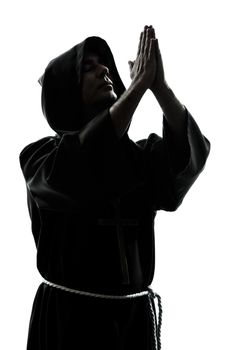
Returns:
<point x="120" y="223"/>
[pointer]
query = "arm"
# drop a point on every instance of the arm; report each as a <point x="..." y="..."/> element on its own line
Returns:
<point x="175" y="161"/>
<point x="175" y="114"/>
<point x="174" y="126"/>
<point x="123" y="109"/>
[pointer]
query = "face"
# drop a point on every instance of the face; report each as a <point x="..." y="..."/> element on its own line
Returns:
<point x="97" y="87"/>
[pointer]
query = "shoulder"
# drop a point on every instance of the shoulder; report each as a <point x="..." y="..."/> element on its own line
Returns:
<point x="47" y="141"/>
<point x="38" y="149"/>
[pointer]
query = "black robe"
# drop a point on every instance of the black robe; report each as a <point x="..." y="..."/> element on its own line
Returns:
<point x="92" y="200"/>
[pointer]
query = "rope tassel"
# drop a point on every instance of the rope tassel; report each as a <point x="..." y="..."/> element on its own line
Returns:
<point x="156" y="321"/>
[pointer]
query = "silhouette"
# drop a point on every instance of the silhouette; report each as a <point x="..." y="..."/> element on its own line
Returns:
<point x="93" y="194"/>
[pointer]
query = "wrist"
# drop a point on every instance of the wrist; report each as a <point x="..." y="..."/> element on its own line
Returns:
<point x="161" y="89"/>
<point x="139" y="85"/>
<point x="169" y="103"/>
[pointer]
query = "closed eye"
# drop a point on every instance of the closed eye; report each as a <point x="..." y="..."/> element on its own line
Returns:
<point x="90" y="64"/>
<point x="88" y="67"/>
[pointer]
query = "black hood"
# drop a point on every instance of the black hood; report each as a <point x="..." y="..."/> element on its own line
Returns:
<point x="61" y="85"/>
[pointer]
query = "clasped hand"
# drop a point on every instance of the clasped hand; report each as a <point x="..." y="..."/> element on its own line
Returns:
<point x="148" y="66"/>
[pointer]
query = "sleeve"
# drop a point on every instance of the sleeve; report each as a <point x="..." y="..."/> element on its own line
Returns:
<point x="169" y="178"/>
<point x="88" y="165"/>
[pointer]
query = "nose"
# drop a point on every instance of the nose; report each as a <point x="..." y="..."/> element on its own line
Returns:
<point x="102" y="71"/>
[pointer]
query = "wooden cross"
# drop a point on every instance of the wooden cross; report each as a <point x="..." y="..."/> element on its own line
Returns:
<point x="120" y="223"/>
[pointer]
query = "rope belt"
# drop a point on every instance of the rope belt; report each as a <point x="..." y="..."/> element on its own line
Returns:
<point x="156" y="321"/>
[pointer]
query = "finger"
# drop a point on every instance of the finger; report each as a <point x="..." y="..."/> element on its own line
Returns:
<point x="139" y="45"/>
<point x="150" y="35"/>
<point x="158" y="54"/>
<point x="153" y="35"/>
<point x="152" y="49"/>
<point x="142" y="47"/>
<point x="157" y="50"/>
<point x="147" y="42"/>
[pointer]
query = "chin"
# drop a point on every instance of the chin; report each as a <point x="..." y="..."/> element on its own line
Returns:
<point x="111" y="95"/>
<point x="108" y="100"/>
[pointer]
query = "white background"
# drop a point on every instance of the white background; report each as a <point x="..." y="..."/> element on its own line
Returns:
<point x="194" y="244"/>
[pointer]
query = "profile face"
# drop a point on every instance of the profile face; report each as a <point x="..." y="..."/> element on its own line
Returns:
<point x="97" y="84"/>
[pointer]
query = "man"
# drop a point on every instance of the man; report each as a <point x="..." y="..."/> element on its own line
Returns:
<point x="93" y="195"/>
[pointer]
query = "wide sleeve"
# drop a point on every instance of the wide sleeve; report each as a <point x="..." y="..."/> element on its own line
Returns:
<point x="169" y="179"/>
<point x="78" y="168"/>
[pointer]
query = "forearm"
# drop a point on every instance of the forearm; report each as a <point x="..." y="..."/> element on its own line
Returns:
<point x="174" y="112"/>
<point x="123" y="109"/>
<point x="175" y="130"/>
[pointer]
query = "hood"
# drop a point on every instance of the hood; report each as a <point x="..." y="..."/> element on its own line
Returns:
<point x="61" y="85"/>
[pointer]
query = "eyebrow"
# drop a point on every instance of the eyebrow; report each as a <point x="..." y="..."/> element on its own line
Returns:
<point x="89" y="59"/>
<point x="92" y="60"/>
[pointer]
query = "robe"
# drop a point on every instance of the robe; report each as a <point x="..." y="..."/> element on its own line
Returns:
<point x="92" y="200"/>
